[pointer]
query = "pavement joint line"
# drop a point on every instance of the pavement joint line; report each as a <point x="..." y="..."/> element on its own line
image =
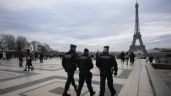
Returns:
<point x="49" y="69"/>
<point x="17" y="87"/>
<point x="17" y="77"/>
<point x="139" y="78"/>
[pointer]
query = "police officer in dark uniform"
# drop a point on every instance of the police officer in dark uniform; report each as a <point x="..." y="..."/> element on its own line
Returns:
<point x="69" y="61"/>
<point x="106" y="63"/>
<point x="85" y="64"/>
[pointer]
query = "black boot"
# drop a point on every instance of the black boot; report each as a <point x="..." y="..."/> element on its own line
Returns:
<point x="113" y="94"/>
<point x="76" y="88"/>
<point x="93" y="93"/>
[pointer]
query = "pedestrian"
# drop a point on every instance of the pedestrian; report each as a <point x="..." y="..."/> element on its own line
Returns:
<point x="4" y="55"/>
<point x="36" y="56"/>
<point x="151" y="58"/>
<point x="29" y="59"/>
<point x="122" y="57"/>
<point x="132" y="58"/>
<point x="41" y="57"/>
<point x="126" y="58"/>
<point x="20" y="57"/>
<point x="69" y="61"/>
<point x="1" y="55"/>
<point x="85" y="64"/>
<point x="106" y="63"/>
<point x="7" y="55"/>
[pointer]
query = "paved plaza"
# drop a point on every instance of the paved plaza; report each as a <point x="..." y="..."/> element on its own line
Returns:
<point x="48" y="79"/>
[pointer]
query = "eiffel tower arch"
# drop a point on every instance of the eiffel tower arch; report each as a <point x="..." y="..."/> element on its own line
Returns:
<point x="137" y="36"/>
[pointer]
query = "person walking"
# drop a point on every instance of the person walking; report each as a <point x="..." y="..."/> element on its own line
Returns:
<point x="20" y="57"/>
<point x="41" y="57"/>
<point x="151" y="58"/>
<point x="29" y="59"/>
<point x="36" y="56"/>
<point x="132" y="58"/>
<point x="106" y="63"/>
<point x="126" y="58"/>
<point x="69" y="64"/>
<point x="85" y="64"/>
<point x="122" y="57"/>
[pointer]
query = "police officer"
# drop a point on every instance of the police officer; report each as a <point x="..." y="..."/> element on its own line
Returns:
<point x="69" y="65"/>
<point x="85" y="64"/>
<point x="105" y="63"/>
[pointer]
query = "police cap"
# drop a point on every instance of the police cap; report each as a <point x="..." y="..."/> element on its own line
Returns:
<point x="107" y="47"/>
<point x="73" y="46"/>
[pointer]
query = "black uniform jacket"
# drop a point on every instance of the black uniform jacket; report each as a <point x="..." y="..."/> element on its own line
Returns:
<point x="84" y="63"/>
<point x="69" y="61"/>
<point x="105" y="62"/>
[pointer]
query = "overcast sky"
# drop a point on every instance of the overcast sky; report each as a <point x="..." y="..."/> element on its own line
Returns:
<point x="87" y="23"/>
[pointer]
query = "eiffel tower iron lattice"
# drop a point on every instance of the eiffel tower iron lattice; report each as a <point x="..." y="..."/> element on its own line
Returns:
<point x="137" y="35"/>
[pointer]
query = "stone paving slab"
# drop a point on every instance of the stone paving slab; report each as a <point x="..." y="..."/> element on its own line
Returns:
<point x="48" y="79"/>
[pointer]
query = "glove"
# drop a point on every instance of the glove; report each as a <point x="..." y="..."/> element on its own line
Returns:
<point x="115" y="73"/>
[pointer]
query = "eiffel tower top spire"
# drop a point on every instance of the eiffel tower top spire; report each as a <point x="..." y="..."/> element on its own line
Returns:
<point x="137" y="29"/>
<point x="136" y="1"/>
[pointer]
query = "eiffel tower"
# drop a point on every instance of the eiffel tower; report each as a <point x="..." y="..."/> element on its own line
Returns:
<point x="137" y="35"/>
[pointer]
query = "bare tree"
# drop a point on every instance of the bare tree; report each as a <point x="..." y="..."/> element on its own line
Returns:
<point x="3" y="42"/>
<point x="21" y="42"/>
<point x="47" y="47"/>
<point x="8" y="42"/>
